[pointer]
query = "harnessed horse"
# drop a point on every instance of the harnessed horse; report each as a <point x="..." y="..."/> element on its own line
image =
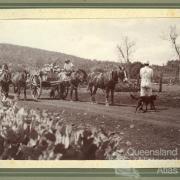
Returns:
<point x="105" y="81"/>
<point x="73" y="81"/>
<point x="19" y="81"/>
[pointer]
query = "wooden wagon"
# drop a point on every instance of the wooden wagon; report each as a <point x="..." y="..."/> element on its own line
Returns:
<point x="58" y="88"/>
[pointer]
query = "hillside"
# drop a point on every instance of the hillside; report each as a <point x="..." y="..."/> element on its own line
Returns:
<point x="32" y="57"/>
<point x="17" y="56"/>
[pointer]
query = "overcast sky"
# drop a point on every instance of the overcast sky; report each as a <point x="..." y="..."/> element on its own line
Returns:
<point x="93" y="38"/>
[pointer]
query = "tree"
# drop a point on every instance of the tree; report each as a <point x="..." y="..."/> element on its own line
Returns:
<point x="173" y="38"/>
<point x="126" y="49"/>
<point x="135" y="69"/>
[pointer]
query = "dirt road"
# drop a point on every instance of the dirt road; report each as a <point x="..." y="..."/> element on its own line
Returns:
<point x="167" y="117"/>
<point x="144" y="131"/>
<point x="140" y="131"/>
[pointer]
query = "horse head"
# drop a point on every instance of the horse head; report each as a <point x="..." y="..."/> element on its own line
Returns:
<point x="115" y="76"/>
<point x="5" y="77"/>
<point x="81" y="75"/>
<point x="122" y="74"/>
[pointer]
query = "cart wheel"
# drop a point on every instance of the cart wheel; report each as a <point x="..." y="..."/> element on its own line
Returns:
<point x="36" y="90"/>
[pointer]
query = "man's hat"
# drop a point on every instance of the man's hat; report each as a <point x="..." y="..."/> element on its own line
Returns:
<point x="67" y="61"/>
<point x="146" y="63"/>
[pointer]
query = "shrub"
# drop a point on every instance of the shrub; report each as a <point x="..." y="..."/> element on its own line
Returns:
<point x="42" y="135"/>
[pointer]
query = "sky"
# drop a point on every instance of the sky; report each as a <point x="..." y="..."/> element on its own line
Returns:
<point x="95" y="38"/>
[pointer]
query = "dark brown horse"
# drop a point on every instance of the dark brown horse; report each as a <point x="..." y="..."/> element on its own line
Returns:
<point x="5" y="81"/>
<point x="73" y="81"/>
<point x="19" y="81"/>
<point x="105" y="81"/>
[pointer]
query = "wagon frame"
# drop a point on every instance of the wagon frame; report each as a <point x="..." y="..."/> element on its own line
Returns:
<point x="61" y="87"/>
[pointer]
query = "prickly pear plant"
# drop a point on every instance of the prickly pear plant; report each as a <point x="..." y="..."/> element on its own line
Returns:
<point x="34" y="134"/>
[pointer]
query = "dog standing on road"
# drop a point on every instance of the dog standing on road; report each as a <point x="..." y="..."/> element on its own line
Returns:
<point x="145" y="100"/>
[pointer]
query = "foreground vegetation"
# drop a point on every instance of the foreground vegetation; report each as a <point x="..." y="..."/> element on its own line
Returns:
<point x="30" y="134"/>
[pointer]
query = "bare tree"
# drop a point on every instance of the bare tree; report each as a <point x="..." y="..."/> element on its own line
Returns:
<point x="173" y="37"/>
<point x="126" y="49"/>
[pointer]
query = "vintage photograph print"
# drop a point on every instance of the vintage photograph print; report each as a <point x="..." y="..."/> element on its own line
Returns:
<point x="90" y="89"/>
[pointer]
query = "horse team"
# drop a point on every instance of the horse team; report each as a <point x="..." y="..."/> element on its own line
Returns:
<point x="94" y="80"/>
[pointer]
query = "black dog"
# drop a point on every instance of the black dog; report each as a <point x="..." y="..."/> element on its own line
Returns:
<point x="145" y="100"/>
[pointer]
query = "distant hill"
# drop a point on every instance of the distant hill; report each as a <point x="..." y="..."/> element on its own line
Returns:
<point x="16" y="55"/>
<point x="20" y="56"/>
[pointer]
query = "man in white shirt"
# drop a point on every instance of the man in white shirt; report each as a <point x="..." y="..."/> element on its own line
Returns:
<point x="68" y="66"/>
<point x="146" y="75"/>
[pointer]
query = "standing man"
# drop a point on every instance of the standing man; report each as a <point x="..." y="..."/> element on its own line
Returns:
<point x="5" y="79"/>
<point x="146" y="75"/>
<point x="68" y="66"/>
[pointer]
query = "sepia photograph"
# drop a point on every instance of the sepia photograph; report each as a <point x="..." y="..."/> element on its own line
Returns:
<point x="90" y="89"/>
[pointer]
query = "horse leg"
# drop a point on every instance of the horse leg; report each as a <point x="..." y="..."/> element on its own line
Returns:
<point x="6" y="92"/>
<point x="71" y="93"/>
<point x="18" y="92"/>
<point x="91" y="89"/>
<point x="25" y="92"/>
<point x="57" y="88"/>
<point x="93" y="99"/>
<point x="76" y="94"/>
<point x="107" y="97"/>
<point x="112" y="96"/>
<point x="59" y="91"/>
<point x="15" y="91"/>
<point x="91" y="92"/>
<point x="14" y="88"/>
